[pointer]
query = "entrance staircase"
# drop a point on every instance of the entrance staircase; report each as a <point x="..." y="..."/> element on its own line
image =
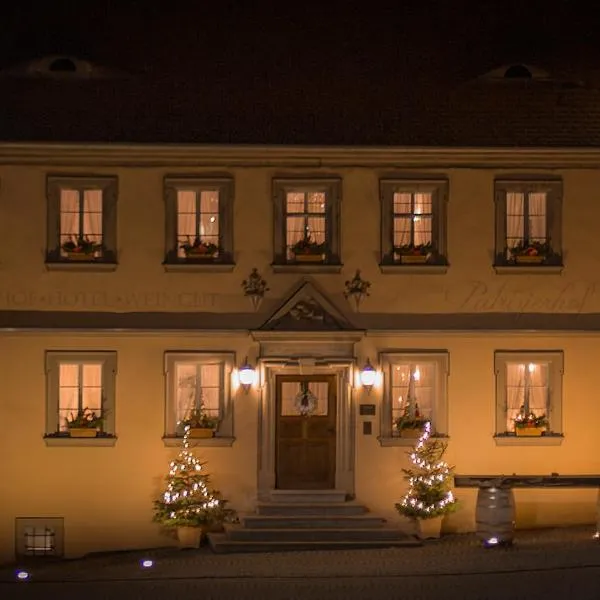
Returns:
<point x="308" y="520"/>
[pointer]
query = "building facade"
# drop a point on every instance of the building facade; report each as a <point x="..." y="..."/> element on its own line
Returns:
<point x="483" y="305"/>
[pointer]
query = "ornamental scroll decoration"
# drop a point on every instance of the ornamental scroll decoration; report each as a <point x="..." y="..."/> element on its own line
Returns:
<point x="305" y="401"/>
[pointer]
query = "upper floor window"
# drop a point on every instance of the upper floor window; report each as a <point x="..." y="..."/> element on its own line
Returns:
<point x="82" y="219"/>
<point x="415" y="391"/>
<point x="307" y="221"/>
<point x="199" y="392"/>
<point x="81" y="394"/>
<point x="199" y="220"/>
<point x="528" y="223"/>
<point x="413" y="224"/>
<point x="528" y="393"/>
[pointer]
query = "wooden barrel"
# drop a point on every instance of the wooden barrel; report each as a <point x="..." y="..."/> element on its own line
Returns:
<point x="495" y="514"/>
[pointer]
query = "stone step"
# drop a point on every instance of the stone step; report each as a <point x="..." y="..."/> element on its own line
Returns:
<point x="242" y="534"/>
<point x="221" y="544"/>
<point x="308" y="496"/>
<point x="317" y="522"/>
<point x="326" y="509"/>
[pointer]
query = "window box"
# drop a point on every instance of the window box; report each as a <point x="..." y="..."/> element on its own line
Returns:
<point x="309" y="258"/>
<point x="201" y="432"/>
<point x="412" y="259"/>
<point x="82" y="432"/>
<point x="529" y="431"/>
<point x="529" y="260"/>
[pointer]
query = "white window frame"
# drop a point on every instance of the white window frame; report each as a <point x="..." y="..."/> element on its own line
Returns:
<point x="332" y="188"/>
<point x="224" y="434"/>
<point x="225" y="187"/>
<point x="109" y="374"/>
<point x="555" y="361"/>
<point x="388" y="360"/>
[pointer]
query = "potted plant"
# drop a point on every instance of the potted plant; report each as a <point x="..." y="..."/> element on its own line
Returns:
<point x="429" y="497"/>
<point x="307" y="250"/>
<point x="199" y="249"/>
<point x="530" y="424"/>
<point x="86" y="423"/>
<point x="81" y="248"/>
<point x="413" y="253"/>
<point x="188" y="504"/>
<point x="200" y="424"/>
<point x="534" y="252"/>
<point x="410" y="428"/>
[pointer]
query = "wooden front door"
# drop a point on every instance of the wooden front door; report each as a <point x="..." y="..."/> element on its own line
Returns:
<point x="306" y="443"/>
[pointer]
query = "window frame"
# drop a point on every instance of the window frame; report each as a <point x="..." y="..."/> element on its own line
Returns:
<point x="109" y="374"/>
<point x="332" y="187"/>
<point x="225" y="187"/>
<point x="109" y="187"/>
<point x="224" y="434"/>
<point x="555" y="360"/>
<point x="439" y="189"/>
<point x="553" y="187"/>
<point x="388" y="360"/>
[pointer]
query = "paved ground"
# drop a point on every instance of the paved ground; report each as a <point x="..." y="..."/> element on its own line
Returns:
<point x="548" y="564"/>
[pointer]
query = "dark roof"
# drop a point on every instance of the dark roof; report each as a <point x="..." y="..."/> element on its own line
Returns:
<point x="474" y="114"/>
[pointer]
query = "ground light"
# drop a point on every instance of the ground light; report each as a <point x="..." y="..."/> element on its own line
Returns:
<point x="22" y="575"/>
<point x="146" y="563"/>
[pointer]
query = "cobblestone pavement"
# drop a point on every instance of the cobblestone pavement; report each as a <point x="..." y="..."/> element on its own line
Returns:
<point x="555" y="563"/>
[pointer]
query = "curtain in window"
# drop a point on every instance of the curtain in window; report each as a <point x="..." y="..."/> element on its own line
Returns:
<point x="422" y="219"/>
<point x="413" y="389"/>
<point x="515" y="218"/>
<point x="68" y="392"/>
<point x="92" y="387"/>
<point x="289" y="391"/>
<point x="303" y="218"/>
<point x="402" y="218"/>
<point x="186" y="218"/>
<point x="526" y="384"/>
<point x="197" y="384"/>
<point x="515" y="392"/>
<point x="539" y="389"/>
<point x="69" y="215"/>
<point x="537" y="217"/>
<point x="92" y="215"/>
<point x="209" y="216"/>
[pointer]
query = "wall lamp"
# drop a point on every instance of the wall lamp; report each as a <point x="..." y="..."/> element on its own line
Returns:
<point x="368" y="376"/>
<point x="247" y="376"/>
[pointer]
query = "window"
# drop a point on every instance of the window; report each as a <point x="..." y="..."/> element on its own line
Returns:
<point x="199" y="221"/>
<point x="39" y="536"/>
<point x="414" y="391"/>
<point x="82" y="219"/>
<point x="528" y="223"/>
<point x="307" y="222"/>
<point x="529" y="392"/>
<point x="413" y="223"/>
<point x="198" y="381"/>
<point x="80" y="381"/>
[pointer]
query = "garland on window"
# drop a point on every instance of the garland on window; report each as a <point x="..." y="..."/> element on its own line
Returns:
<point x="305" y="401"/>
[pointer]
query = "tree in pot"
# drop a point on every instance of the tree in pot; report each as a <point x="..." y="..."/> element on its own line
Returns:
<point x="429" y="497"/>
<point x="188" y="503"/>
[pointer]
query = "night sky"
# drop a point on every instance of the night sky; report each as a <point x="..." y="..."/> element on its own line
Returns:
<point x="450" y="39"/>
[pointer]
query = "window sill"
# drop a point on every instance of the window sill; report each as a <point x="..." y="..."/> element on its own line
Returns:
<point x="413" y="269"/>
<point x="528" y="269"/>
<point x="405" y="442"/>
<point x="555" y="439"/>
<point x="306" y="268"/>
<point x="198" y="267"/>
<point x="89" y="266"/>
<point x="65" y="440"/>
<point x="215" y="442"/>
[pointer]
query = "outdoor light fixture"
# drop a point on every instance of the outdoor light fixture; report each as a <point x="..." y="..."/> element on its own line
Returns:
<point x="146" y="563"/>
<point x="247" y="376"/>
<point x="22" y="575"/>
<point x="368" y="375"/>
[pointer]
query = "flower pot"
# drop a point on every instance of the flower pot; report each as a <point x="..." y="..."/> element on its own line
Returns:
<point x="82" y="432"/>
<point x="189" y="537"/>
<point x="200" y="255"/>
<point x="529" y="431"/>
<point x="429" y="528"/>
<point x="529" y="259"/>
<point x="201" y="432"/>
<point x="309" y="258"/>
<point x="411" y="433"/>
<point x="80" y="255"/>
<point x="413" y="259"/>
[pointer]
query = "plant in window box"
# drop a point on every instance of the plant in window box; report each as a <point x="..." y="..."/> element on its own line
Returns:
<point x="527" y="252"/>
<point x="410" y="426"/>
<point x="413" y="253"/>
<point x="199" y="249"/>
<point x="200" y="424"/>
<point x="86" y="423"/>
<point x="307" y="250"/>
<point x="81" y="248"/>
<point x="530" y="424"/>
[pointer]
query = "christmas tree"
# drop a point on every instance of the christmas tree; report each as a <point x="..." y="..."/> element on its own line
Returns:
<point x="188" y="501"/>
<point x="429" y="481"/>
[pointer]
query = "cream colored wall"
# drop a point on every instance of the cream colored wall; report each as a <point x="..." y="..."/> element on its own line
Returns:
<point x="107" y="492"/>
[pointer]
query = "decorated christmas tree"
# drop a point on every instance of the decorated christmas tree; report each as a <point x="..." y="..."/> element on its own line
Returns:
<point x="429" y="480"/>
<point x="188" y="500"/>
